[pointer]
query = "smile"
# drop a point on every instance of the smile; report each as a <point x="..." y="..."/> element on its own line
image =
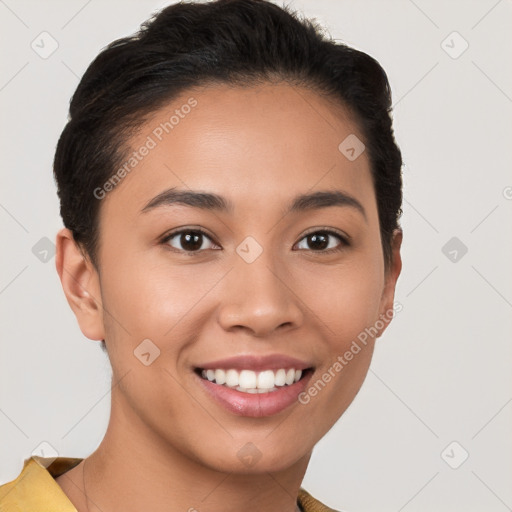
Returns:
<point x="254" y="393"/>
<point x="249" y="381"/>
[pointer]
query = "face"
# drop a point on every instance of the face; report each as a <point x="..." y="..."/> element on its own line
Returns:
<point x="230" y="318"/>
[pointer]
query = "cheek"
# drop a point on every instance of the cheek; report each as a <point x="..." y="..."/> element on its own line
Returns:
<point x="345" y="297"/>
<point x="149" y="298"/>
<point x="147" y="308"/>
<point x="347" y="303"/>
<point x="158" y="301"/>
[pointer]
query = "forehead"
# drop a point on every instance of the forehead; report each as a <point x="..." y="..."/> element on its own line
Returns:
<point x="264" y="142"/>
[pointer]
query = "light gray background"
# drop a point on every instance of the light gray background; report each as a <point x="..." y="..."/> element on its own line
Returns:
<point x="442" y="371"/>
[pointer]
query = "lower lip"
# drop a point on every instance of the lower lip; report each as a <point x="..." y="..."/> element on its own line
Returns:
<point x="256" y="405"/>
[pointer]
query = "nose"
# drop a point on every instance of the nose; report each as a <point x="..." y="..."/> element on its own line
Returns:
<point x="258" y="297"/>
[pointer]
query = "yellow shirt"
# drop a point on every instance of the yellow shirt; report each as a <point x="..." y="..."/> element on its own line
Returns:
<point x="35" y="489"/>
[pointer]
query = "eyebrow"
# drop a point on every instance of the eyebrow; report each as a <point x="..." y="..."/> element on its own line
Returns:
<point x="215" y="202"/>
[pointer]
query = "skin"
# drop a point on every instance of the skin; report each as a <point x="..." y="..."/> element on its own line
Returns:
<point x="258" y="147"/>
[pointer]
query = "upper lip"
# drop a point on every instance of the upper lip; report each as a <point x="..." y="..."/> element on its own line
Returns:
<point x="256" y="363"/>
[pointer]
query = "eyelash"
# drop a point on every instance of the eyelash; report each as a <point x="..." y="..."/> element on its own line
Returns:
<point x="343" y="239"/>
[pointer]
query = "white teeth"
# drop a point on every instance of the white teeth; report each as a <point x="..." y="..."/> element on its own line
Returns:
<point x="220" y="376"/>
<point x="280" y="378"/>
<point x="266" y="379"/>
<point x="232" y="378"/>
<point x="290" y="376"/>
<point x="248" y="381"/>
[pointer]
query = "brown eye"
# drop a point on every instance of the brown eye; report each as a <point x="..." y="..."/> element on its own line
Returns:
<point x="323" y="241"/>
<point x="187" y="240"/>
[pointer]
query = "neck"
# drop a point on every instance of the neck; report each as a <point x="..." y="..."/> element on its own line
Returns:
<point x="133" y="469"/>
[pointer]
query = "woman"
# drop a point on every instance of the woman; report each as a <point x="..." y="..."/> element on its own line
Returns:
<point x="231" y="190"/>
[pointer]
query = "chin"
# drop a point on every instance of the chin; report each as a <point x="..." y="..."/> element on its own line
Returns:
<point x="245" y="457"/>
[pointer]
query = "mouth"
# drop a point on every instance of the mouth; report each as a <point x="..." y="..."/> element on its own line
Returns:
<point x="252" y="382"/>
<point x="254" y="393"/>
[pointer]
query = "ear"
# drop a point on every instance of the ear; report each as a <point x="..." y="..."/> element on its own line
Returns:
<point x="81" y="284"/>
<point x="391" y="277"/>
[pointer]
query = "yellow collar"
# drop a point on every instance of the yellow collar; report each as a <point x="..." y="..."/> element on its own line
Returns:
<point x="35" y="489"/>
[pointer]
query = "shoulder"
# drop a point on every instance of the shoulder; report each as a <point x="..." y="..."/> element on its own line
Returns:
<point x="309" y="504"/>
<point x="35" y="487"/>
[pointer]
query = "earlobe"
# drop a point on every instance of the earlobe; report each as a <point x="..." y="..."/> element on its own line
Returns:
<point x="80" y="283"/>
<point x="391" y="277"/>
